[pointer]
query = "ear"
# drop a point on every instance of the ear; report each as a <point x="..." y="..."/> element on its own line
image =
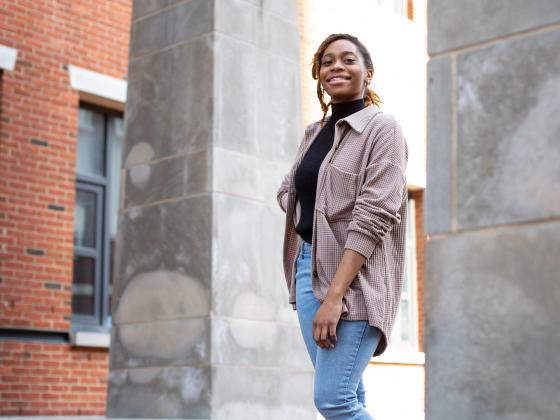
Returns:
<point x="369" y="74"/>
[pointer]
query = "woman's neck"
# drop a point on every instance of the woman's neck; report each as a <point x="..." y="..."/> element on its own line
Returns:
<point x="343" y="109"/>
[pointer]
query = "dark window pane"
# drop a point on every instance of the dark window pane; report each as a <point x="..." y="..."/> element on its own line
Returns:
<point x="84" y="219"/>
<point x="83" y="293"/>
<point x="91" y="143"/>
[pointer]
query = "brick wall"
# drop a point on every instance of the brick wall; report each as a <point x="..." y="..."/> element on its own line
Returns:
<point x="51" y="379"/>
<point x="38" y="131"/>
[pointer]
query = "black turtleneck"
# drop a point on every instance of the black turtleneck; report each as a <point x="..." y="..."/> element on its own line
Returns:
<point x="308" y="171"/>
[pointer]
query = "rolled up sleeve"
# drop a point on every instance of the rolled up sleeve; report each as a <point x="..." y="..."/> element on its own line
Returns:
<point x="380" y="197"/>
<point x="282" y="194"/>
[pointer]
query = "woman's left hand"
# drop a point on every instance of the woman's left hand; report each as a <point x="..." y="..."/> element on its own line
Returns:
<point x="325" y="322"/>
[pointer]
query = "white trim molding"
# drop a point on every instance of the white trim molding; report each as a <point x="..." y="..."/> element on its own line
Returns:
<point x="90" y="339"/>
<point x="97" y="84"/>
<point x="401" y="357"/>
<point x="8" y="58"/>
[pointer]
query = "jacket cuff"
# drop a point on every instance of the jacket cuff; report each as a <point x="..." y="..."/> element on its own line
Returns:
<point x="361" y="243"/>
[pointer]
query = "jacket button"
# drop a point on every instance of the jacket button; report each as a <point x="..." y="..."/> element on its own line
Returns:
<point x="315" y="274"/>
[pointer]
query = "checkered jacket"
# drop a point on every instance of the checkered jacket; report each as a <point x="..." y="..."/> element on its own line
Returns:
<point x="361" y="204"/>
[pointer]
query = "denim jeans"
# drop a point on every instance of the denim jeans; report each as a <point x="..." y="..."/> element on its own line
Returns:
<point x="339" y="390"/>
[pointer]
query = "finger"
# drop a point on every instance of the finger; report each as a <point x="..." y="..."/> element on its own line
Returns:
<point x="324" y="333"/>
<point x="316" y="333"/>
<point x="332" y="333"/>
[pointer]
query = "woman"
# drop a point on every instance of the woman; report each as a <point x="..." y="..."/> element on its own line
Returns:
<point x="345" y="202"/>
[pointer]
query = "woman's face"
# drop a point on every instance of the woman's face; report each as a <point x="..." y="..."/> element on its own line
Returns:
<point x="343" y="72"/>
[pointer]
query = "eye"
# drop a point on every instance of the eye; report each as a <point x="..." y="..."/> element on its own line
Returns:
<point x="350" y="60"/>
<point x="326" y="62"/>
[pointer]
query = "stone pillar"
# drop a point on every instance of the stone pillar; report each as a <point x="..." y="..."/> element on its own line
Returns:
<point x="202" y="328"/>
<point x="493" y="210"/>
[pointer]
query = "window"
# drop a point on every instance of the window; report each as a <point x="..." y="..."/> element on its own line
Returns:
<point x="405" y="331"/>
<point x="98" y="166"/>
<point x="398" y="6"/>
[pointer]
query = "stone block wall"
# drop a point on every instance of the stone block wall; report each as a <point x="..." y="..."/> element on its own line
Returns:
<point x="203" y="328"/>
<point x="492" y="210"/>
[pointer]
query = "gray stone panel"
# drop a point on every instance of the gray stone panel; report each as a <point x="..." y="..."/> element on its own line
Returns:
<point x="171" y="26"/>
<point x="162" y="295"/>
<point x="258" y="343"/>
<point x="508" y="131"/>
<point x="191" y="102"/>
<point x="262" y="393"/>
<point x="247" y="276"/>
<point x="160" y="392"/>
<point x="147" y="108"/>
<point x="169" y="104"/>
<point x="161" y="343"/>
<point x="247" y="176"/>
<point x="278" y="36"/>
<point x="144" y="7"/>
<point x="453" y="24"/>
<point x="286" y="9"/>
<point x="163" y="242"/>
<point x="236" y="108"/>
<point x="439" y="156"/>
<point x="174" y="177"/>
<point x="243" y="26"/>
<point x="279" y="127"/>
<point x="491" y="329"/>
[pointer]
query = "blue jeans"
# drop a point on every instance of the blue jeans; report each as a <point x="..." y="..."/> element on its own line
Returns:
<point x="339" y="390"/>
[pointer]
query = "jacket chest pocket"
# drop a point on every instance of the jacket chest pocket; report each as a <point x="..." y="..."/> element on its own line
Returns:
<point x="339" y="193"/>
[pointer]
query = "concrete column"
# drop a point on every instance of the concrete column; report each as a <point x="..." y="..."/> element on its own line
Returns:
<point x="202" y="328"/>
<point x="493" y="210"/>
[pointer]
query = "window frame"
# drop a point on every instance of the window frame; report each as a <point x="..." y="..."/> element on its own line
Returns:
<point x="96" y="253"/>
<point x="412" y="287"/>
<point x="101" y="320"/>
<point x="403" y="8"/>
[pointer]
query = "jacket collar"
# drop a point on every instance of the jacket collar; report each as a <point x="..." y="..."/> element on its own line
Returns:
<point x="356" y="121"/>
<point x="360" y="119"/>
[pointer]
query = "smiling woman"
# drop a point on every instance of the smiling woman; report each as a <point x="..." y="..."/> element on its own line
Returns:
<point x="345" y="200"/>
<point x="343" y="68"/>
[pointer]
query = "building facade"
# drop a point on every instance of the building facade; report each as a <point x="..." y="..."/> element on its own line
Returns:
<point x="63" y="73"/>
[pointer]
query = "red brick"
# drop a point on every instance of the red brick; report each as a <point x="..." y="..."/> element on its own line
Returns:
<point x="37" y="102"/>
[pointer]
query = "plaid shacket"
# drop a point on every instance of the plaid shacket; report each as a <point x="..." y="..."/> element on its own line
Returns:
<point x="361" y="204"/>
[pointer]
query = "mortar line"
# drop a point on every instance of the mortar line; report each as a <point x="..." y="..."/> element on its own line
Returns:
<point x="497" y="227"/>
<point x="208" y="365"/>
<point x="163" y="9"/>
<point x="171" y="46"/>
<point x="496" y="40"/>
<point x="182" y="154"/>
<point x="167" y="200"/>
<point x="208" y="317"/>
<point x="453" y="142"/>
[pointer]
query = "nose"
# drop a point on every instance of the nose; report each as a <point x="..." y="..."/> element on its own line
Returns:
<point x="337" y="65"/>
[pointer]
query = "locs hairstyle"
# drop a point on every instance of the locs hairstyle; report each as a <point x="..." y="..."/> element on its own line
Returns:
<point x="370" y="97"/>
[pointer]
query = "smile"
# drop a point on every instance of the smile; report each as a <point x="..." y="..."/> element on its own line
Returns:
<point x="337" y="79"/>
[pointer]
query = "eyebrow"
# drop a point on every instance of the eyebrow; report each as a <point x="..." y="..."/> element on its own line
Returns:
<point x="343" y="53"/>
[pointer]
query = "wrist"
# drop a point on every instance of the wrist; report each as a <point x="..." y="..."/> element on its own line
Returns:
<point x="334" y="296"/>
